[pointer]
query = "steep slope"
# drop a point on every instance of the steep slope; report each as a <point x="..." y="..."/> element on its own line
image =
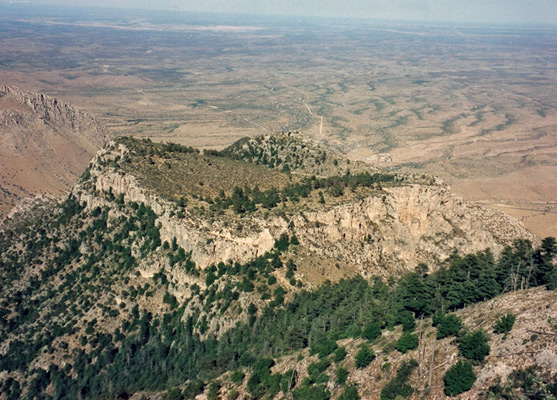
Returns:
<point x="520" y="364"/>
<point x="163" y="266"/>
<point x="45" y="144"/>
<point x="377" y="223"/>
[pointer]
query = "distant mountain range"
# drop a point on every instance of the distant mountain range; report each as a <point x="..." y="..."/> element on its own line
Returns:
<point x="44" y="145"/>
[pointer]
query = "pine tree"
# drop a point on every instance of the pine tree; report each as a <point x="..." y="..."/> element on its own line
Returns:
<point x="459" y="378"/>
<point x="474" y="346"/>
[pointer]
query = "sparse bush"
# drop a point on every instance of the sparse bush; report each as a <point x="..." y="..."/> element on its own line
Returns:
<point x="474" y="346"/>
<point x="364" y="357"/>
<point x="505" y="323"/>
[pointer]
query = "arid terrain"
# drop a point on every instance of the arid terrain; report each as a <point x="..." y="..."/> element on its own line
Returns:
<point x="474" y="105"/>
<point x="158" y="278"/>
<point x="45" y="145"/>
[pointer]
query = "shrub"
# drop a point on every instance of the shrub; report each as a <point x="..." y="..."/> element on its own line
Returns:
<point x="364" y="357"/>
<point x="407" y="320"/>
<point x="316" y="371"/>
<point x="372" y="331"/>
<point x="474" y="346"/>
<point x="193" y="388"/>
<point x="350" y="393"/>
<point x="459" y="378"/>
<point x="342" y="374"/>
<point x="407" y="342"/>
<point x="246" y="359"/>
<point x="318" y="392"/>
<point x="260" y="379"/>
<point x="173" y="394"/>
<point x="324" y="347"/>
<point x="353" y="331"/>
<point x="232" y="395"/>
<point x="214" y="389"/>
<point x="282" y="243"/>
<point x="340" y="354"/>
<point x="552" y="280"/>
<point x="448" y="325"/>
<point x="288" y="381"/>
<point x="237" y="377"/>
<point x="505" y="323"/>
<point x="398" y="386"/>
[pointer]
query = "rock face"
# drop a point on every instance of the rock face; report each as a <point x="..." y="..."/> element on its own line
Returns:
<point x="381" y="234"/>
<point x="209" y="242"/>
<point x="44" y="145"/>
<point x="408" y="225"/>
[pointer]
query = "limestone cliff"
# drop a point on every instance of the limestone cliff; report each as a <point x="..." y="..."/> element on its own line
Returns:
<point x="385" y="232"/>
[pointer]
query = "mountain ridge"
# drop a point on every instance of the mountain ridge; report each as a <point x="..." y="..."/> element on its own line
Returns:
<point x="154" y="273"/>
<point x="45" y="145"/>
<point x="422" y="223"/>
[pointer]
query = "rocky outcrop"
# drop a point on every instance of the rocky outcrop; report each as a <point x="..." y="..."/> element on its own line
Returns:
<point x="406" y="226"/>
<point x="294" y="152"/>
<point x="383" y="234"/>
<point x="22" y="109"/>
<point x="45" y="144"/>
<point x="209" y="242"/>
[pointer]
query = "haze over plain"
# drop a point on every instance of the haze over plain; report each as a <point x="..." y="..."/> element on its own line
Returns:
<point x="492" y="11"/>
<point x="163" y="271"/>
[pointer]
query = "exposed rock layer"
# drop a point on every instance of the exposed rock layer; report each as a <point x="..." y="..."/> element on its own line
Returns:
<point x="407" y="225"/>
<point x="44" y="145"/>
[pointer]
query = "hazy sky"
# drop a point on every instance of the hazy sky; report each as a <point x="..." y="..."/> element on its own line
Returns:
<point x="497" y="11"/>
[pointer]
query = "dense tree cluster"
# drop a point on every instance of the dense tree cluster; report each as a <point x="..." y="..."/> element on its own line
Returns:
<point x="479" y="277"/>
<point x="247" y="199"/>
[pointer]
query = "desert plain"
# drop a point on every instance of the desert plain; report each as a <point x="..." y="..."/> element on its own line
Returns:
<point x="474" y="105"/>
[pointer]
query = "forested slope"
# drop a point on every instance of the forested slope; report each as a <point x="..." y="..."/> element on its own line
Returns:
<point x="131" y="285"/>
